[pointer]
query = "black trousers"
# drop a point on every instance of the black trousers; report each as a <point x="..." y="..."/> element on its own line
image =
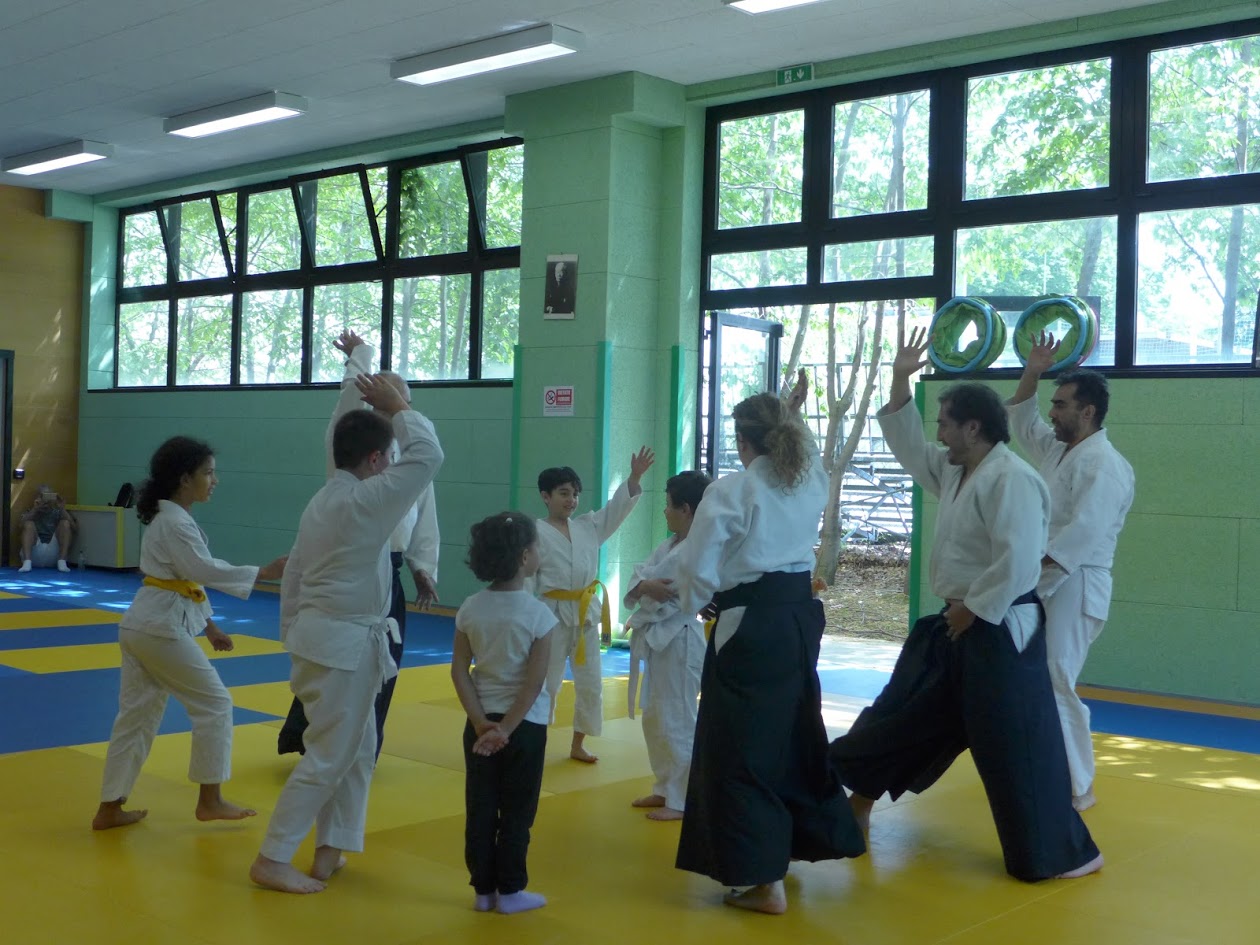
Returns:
<point x="977" y="692"/>
<point x="500" y="802"/>
<point x="290" y="738"/>
<point x="761" y="791"/>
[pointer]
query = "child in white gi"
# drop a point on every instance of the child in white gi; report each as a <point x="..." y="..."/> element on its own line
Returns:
<point x="334" y="607"/>
<point x="508" y="633"/>
<point x="672" y="644"/>
<point x="160" y="655"/>
<point x="568" y="583"/>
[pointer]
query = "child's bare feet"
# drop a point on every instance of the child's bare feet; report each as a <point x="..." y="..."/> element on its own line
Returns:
<point x="212" y="806"/>
<point x="283" y="877"/>
<point x="770" y="899"/>
<point x="111" y="814"/>
<point x="327" y="861"/>
<point x="648" y="800"/>
<point x="664" y="813"/>
<point x="578" y="753"/>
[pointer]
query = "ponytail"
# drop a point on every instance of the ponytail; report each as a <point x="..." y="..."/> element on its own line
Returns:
<point x="774" y="430"/>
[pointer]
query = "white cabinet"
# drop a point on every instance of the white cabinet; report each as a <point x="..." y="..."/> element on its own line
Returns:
<point x="108" y="536"/>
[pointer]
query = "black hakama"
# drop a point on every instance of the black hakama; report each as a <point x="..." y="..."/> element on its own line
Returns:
<point x="761" y="791"/>
<point x="976" y="692"/>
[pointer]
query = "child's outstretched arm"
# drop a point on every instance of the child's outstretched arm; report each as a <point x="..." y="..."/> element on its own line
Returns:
<point x="607" y="519"/>
<point x="535" y="677"/>
<point x="461" y="676"/>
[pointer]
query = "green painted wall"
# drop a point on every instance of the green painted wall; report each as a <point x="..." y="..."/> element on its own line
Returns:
<point x="1185" y="614"/>
<point x="270" y="458"/>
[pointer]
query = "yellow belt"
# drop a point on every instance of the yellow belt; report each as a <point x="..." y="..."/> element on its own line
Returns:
<point x="708" y="628"/>
<point x="190" y="589"/>
<point x="584" y="596"/>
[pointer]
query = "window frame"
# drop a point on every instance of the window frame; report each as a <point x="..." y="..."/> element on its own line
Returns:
<point x="1126" y="197"/>
<point x="385" y="269"/>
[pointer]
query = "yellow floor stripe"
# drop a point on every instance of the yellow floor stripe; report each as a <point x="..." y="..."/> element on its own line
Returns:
<point x="1177" y="703"/>
<point x="70" y="659"/>
<point x="5" y="595"/>
<point x="34" y="619"/>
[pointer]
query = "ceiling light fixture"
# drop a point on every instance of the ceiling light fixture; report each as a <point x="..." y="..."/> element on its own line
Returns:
<point x="487" y="55"/>
<point x="766" y="6"/>
<point x="53" y="159"/>
<point x="255" y="110"/>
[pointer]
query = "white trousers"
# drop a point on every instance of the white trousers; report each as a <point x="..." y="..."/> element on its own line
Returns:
<point x="1069" y="633"/>
<point x="670" y="690"/>
<point x="588" y="680"/>
<point x="153" y="669"/>
<point x="329" y="785"/>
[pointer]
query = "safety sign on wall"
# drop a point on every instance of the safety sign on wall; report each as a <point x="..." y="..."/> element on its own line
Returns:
<point x="558" y="401"/>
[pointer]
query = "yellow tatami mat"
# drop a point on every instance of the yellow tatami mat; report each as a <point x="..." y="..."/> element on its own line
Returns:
<point x="1177" y="825"/>
<point x="77" y="617"/>
<point x="66" y="659"/>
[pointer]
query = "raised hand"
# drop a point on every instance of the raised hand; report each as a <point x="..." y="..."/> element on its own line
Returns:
<point x="1042" y="354"/>
<point x="379" y="392"/>
<point x="347" y="341"/>
<point x="800" y="390"/>
<point x="910" y="356"/>
<point x="640" y="463"/>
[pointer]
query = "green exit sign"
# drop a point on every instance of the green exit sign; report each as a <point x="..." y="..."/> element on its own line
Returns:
<point x="794" y="74"/>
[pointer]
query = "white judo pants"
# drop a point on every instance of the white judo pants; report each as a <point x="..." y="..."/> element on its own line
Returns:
<point x="669" y="696"/>
<point x="588" y="680"/>
<point x="1069" y="634"/>
<point x="153" y="669"/>
<point x="329" y="785"/>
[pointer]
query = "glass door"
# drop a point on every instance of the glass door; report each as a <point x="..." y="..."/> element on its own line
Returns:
<point x="739" y="358"/>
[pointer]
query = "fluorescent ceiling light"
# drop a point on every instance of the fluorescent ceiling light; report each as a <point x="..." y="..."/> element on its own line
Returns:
<point x="766" y="6"/>
<point x="487" y="55"/>
<point x="256" y="110"/>
<point x="52" y="159"/>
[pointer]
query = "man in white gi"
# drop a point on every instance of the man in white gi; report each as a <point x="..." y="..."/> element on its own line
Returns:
<point x="1091" y="490"/>
<point x="415" y="541"/>
<point x="334" y="622"/>
<point x="973" y="676"/>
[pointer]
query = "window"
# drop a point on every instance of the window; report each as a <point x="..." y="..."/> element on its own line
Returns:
<point x="421" y="258"/>
<point x="1125" y="174"/>
<point x="762" y="164"/>
<point x="1204" y="110"/>
<point x="1039" y="131"/>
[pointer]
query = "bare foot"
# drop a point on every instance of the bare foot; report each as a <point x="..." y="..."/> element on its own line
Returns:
<point x="861" y="806"/>
<point x="223" y="810"/>
<point x="769" y="898"/>
<point x="664" y="813"/>
<point x="111" y="814"/>
<point x="581" y="754"/>
<point x="648" y="800"/>
<point x="327" y="861"/>
<point x="1082" y="802"/>
<point x="283" y="877"/>
<point x="1093" y="866"/>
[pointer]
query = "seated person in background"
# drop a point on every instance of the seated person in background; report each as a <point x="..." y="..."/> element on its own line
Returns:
<point x="46" y="531"/>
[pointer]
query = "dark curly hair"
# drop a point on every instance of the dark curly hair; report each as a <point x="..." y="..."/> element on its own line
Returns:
<point x="177" y="457"/>
<point x="496" y="544"/>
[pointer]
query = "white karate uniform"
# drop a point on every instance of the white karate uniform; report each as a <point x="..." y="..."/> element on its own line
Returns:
<point x="569" y="565"/>
<point x="161" y="658"/>
<point x="1091" y="491"/>
<point x="334" y="608"/>
<point x="990" y="533"/>
<point x="749" y="525"/>
<point x="416" y="536"/>
<point x="672" y="644"/>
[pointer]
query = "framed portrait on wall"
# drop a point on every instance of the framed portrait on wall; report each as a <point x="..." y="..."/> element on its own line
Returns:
<point x="560" y="294"/>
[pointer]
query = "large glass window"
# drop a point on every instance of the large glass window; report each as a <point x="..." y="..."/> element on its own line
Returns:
<point x="762" y="164"/>
<point x="426" y="271"/>
<point x="1039" y="130"/>
<point x="880" y="154"/>
<point x="1205" y="110"/>
<point x="1124" y="174"/>
<point x="1198" y="285"/>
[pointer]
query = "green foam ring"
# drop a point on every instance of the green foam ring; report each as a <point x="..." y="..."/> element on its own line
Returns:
<point x="948" y="325"/>
<point x="1078" y="341"/>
